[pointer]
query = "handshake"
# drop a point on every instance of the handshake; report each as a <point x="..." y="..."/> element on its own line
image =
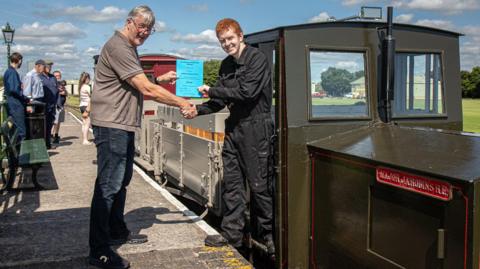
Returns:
<point x="188" y="110"/>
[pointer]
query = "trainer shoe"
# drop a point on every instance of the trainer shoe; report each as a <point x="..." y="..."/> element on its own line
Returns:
<point x="108" y="260"/>
<point x="130" y="239"/>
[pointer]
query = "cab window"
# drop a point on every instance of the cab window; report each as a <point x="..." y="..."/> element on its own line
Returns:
<point x="418" y="89"/>
<point x="338" y="87"/>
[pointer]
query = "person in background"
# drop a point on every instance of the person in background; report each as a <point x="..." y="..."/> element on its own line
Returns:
<point x="244" y="86"/>
<point x="13" y="93"/>
<point x="50" y="97"/>
<point x="32" y="82"/>
<point x="60" y="112"/>
<point x="116" y="113"/>
<point x="85" y="94"/>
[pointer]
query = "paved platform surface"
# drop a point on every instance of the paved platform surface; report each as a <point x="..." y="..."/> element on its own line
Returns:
<point x="49" y="228"/>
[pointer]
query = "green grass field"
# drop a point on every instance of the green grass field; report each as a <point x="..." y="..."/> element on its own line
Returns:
<point x="471" y="115"/>
<point x="72" y="105"/>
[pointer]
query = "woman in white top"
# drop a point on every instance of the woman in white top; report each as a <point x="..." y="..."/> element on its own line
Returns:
<point x="85" y="93"/>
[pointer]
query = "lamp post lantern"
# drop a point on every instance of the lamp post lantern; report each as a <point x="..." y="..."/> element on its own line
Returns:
<point x="8" y="33"/>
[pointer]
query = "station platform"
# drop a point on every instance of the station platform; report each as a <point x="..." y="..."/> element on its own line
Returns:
<point x="49" y="228"/>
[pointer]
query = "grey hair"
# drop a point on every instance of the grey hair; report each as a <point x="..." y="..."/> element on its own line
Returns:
<point x="143" y="11"/>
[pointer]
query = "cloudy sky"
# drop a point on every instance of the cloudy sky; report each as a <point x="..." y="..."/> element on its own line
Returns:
<point x="71" y="32"/>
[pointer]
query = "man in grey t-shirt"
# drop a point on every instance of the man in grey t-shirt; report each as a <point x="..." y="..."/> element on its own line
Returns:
<point x="116" y="107"/>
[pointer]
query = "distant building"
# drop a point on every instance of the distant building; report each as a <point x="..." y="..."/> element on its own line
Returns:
<point x="316" y="87"/>
<point x="72" y="87"/>
<point x="419" y="84"/>
<point x="358" y="88"/>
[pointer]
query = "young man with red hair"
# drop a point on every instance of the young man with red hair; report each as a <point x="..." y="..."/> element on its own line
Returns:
<point x="244" y="86"/>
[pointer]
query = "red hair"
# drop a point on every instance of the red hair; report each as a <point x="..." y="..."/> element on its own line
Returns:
<point x="225" y="24"/>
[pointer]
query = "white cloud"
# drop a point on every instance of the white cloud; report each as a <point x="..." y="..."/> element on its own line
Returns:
<point x="65" y="56"/>
<point x="357" y="2"/>
<point x="91" y="51"/>
<point x="64" y="48"/>
<point x="87" y="13"/>
<point x="404" y="18"/>
<point x="470" y="47"/>
<point x="439" y="24"/>
<point x="469" y="55"/>
<point x="202" y="52"/>
<point x="23" y="48"/>
<point x="160" y="26"/>
<point x="54" y="42"/>
<point x="349" y="65"/>
<point x="54" y="34"/>
<point x="323" y="16"/>
<point x="199" y="7"/>
<point x="207" y="36"/>
<point x="472" y="32"/>
<point x="445" y="6"/>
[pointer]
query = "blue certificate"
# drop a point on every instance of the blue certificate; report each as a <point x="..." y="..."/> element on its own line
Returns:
<point x="190" y="77"/>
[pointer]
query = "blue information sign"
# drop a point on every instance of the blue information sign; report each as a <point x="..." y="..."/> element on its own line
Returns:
<point x="190" y="77"/>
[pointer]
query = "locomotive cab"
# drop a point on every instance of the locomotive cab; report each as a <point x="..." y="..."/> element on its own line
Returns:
<point x="346" y="163"/>
<point x="365" y="178"/>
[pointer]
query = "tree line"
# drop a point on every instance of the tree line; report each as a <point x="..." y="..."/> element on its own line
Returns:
<point x="471" y="83"/>
<point x="336" y="81"/>
<point x="210" y="72"/>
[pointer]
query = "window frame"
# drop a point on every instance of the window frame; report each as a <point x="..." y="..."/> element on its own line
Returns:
<point x="366" y="56"/>
<point x="443" y="115"/>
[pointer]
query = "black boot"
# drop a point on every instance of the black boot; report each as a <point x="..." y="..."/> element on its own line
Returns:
<point x="270" y="247"/>
<point x="56" y="139"/>
<point x="108" y="260"/>
<point x="216" y="240"/>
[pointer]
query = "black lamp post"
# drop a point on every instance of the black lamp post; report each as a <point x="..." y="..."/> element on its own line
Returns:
<point x="8" y="33"/>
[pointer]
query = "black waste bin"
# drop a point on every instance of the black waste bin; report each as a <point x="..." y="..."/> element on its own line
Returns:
<point x="35" y="121"/>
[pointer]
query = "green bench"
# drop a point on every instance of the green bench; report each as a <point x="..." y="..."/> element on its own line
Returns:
<point x="26" y="154"/>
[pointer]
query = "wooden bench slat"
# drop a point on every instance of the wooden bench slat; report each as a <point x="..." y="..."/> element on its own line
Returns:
<point x="33" y="151"/>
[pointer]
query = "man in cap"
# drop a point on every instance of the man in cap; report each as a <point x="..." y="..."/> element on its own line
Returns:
<point x="62" y="98"/>
<point x="32" y="83"/>
<point x="50" y="97"/>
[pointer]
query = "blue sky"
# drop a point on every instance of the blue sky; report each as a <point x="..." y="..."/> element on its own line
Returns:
<point x="71" y="32"/>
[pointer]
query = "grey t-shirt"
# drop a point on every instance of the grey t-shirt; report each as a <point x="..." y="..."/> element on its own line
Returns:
<point x="114" y="102"/>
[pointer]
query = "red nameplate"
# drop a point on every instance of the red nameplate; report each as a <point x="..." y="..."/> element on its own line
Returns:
<point x="433" y="188"/>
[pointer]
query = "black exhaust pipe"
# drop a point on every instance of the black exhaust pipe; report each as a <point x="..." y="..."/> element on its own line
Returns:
<point x="388" y="71"/>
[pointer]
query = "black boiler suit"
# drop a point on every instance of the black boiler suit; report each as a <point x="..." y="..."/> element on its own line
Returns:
<point x="244" y="86"/>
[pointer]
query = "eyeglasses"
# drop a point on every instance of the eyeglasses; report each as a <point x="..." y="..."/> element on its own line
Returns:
<point x="143" y="28"/>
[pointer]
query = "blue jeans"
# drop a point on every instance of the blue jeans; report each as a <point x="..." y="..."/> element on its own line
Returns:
<point x="115" y="152"/>
<point x="50" y="111"/>
<point x="16" y="110"/>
